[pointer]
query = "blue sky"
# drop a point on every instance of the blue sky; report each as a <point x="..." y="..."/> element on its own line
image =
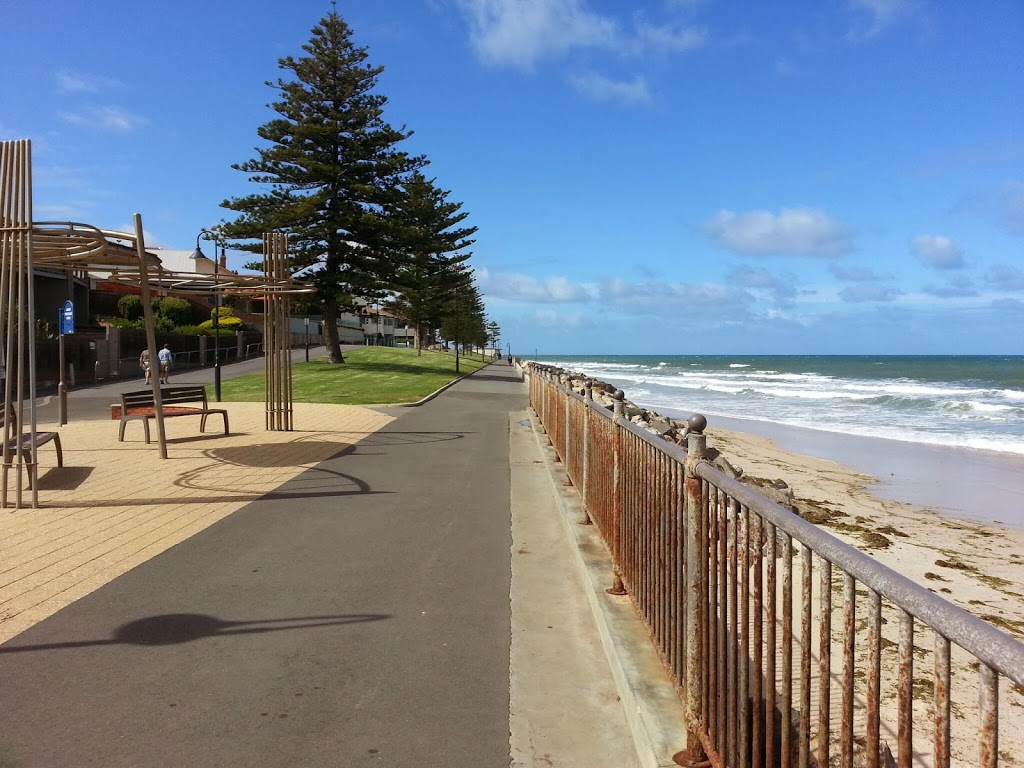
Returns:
<point x="658" y="176"/>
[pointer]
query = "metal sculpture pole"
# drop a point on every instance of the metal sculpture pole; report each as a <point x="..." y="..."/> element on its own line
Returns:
<point x="19" y="336"/>
<point x="277" y="335"/>
<point x="147" y="312"/>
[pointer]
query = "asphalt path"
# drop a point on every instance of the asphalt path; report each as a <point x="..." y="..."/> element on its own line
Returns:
<point x="365" y="626"/>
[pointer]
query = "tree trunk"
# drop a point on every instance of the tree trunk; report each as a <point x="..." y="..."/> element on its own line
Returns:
<point x="331" y="331"/>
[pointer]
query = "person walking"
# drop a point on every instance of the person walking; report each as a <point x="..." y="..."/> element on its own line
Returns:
<point x="165" y="364"/>
<point x="144" y="363"/>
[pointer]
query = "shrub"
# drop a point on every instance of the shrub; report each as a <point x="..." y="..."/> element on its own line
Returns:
<point x="190" y="330"/>
<point x="120" y="322"/>
<point x="162" y="323"/>
<point x="178" y="311"/>
<point x="130" y="307"/>
<point x="231" y="323"/>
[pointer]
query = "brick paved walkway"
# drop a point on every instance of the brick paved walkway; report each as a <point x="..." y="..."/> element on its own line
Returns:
<point x="115" y="505"/>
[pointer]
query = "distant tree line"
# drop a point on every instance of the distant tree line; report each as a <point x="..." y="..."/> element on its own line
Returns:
<point x="364" y="223"/>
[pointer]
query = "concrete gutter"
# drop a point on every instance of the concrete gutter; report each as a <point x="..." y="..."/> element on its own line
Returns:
<point x="653" y="710"/>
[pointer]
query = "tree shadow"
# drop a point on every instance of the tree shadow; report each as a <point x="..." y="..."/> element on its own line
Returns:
<point x="177" y="628"/>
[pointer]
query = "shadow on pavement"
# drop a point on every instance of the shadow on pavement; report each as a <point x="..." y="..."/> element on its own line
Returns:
<point x="64" y="478"/>
<point x="175" y="628"/>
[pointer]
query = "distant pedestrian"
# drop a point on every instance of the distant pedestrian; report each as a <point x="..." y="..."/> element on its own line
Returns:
<point x="144" y="363"/>
<point x="165" y="364"/>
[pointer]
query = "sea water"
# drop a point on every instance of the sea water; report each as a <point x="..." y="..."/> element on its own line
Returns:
<point x="963" y="401"/>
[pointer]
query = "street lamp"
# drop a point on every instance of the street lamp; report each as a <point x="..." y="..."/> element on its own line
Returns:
<point x="196" y="255"/>
<point x="307" y="338"/>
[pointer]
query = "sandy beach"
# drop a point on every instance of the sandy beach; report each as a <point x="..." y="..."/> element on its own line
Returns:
<point x="976" y="565"/>
<point x="960" y="483"/>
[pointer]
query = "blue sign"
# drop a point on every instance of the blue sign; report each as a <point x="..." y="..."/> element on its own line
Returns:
<point x="67" y="318"/>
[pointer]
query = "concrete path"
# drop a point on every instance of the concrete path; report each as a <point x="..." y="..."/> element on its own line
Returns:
<point x="334" y="596"/>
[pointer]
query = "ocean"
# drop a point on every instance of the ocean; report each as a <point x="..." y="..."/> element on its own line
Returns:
<point x="964" y="401"/>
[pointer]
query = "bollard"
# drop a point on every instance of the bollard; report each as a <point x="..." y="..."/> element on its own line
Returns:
<point x="618" y="411"/>
<point x="695" y="594"/>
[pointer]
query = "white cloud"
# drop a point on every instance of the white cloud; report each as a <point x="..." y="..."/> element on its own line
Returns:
<point x="952" y="290"/>
<point x="937" y="252"/>
<point x="780" y="289"/>
<point x="524" y="288"/>
<point x="784" y="67"/>
<point x="1012" y="205"/>
<point x="862" y="292"/>
<point x="106" y="118"/>
<point x="669" y="39"/>
<point x="601" y="88"/>
<point x="519" y="32"/>
<point x="1005" y="277"/>
<point x="548" y="318"/>
<point x="78" y="82"/>
<point x="792" y="232"/>
<point x="876" y="16"/>
<point x="854" y="274"/>
<point x="648" y="297"/>
<point x="79" y="210"/>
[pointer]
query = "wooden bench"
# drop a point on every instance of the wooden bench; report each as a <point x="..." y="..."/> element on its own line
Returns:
<point x="13" y="436"/>
<point x="176" y="401"/>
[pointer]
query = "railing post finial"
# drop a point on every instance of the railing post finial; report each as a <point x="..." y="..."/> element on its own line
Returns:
<point x="696" y="440"/>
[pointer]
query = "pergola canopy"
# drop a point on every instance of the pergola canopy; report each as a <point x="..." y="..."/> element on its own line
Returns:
<point x="72" y="245"/>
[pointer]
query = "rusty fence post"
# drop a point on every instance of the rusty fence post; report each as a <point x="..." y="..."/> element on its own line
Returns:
<point x="588" y="396"/>
<point x="695" y="593"/>
<point x="618" y="411"/>
<point x="567" y="426"/>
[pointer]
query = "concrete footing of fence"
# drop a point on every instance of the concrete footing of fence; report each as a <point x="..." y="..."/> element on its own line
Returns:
<point x="653" y="710"/>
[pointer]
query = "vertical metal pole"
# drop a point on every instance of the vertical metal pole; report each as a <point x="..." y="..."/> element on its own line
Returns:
<point x="268" y="326"/>
<point x="216" y="321"/>
<point x="617" y="588"/>
<point x="307" y="337"/>
<point x="62" y="387"/>
<point x="33" y="470"/>
<point x="147" y="312"/>
<point x="988" y="702"/>
<point x="693" y="689"/>
<point x="588" y="397"/>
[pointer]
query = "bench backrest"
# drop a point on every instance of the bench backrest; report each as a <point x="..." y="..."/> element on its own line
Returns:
<point x="143" y="398"/>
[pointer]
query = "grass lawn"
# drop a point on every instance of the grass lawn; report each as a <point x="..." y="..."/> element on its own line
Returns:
<point x="371" y="375"/>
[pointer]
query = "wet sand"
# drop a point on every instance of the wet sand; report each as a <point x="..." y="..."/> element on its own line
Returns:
<point x="962" y="483"/>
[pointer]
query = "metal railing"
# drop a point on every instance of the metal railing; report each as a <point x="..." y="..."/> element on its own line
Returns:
<point x="724" y="580"/>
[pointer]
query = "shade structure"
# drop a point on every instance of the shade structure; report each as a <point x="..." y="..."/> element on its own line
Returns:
<point x="26" y="245"/>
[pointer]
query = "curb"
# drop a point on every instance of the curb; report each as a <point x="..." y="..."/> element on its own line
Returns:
<point x="429" y="397"/>
<point x="653" y="710"/>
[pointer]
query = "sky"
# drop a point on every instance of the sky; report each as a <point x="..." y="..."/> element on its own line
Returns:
<point x="647" y="177"/>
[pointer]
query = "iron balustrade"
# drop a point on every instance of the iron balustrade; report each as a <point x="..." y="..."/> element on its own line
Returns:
<point x="771" y="628"/>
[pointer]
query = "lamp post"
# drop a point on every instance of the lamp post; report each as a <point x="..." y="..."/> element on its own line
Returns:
<point x="307" y="338"/>
<point x="196" y="255"/>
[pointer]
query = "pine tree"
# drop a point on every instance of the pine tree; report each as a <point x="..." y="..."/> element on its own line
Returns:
<point x="333" y="167"/>
<point x="425" y="229"/>
<point x="462" y="319"/>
